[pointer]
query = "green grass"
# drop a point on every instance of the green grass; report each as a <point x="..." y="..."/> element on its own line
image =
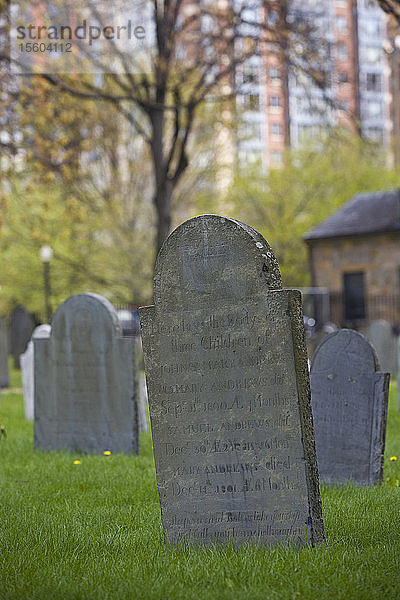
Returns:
<point x="93" y="531"/>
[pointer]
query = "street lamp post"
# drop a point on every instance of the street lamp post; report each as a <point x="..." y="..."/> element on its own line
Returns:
<point x="46" y="254"/>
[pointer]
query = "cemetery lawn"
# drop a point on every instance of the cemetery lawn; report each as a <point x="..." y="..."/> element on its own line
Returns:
<point x="92" y="530"/>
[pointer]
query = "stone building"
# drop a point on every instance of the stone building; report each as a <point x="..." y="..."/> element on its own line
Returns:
<point x="355" y="255"/>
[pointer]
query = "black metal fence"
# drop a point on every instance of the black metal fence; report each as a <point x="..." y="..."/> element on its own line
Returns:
<point x="383" y="306"/>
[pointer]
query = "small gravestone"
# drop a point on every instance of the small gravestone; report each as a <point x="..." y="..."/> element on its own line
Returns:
<point x="4" y="376"/>
<point x="27" y="371"/>
<point x="140" y="384"/>
<point x="142" y="403"/>
<point x="84" y="381"/>
<point x="21" y="328"/>
<point x="380" y="334"/>
<point x="229" y="395"/>
<point x="349" y="402"/>
<point x="398" y="371"/>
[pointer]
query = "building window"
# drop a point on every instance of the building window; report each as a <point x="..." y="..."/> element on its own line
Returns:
<point x="249" y="132"/>
<point x="343" y="77"/>
<point x="374" y="110"/>
<point x="276" y="158"/>
<point x="354" y="296"/>
<point x="341" y="51"/>
<point x="274" y="73"/>
<point x="250" y="102"/>
<point x="341" y="23"/>
<point x="373" y="55"/>
<point x="251" y="157"/>
<point x="373" y="83"/>
<point x="372" y="27"/>
<point x="374" y="134"/>
<point x="251" y="74"/>
<point x="276" y="129"/>
<point x="274" y="101"/>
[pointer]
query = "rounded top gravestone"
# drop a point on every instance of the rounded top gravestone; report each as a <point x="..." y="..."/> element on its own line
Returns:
<point x="380" y="334"/>
<point x="349" y="401"/>
<point x="84" y="384"/>
<point x="346" y="352"/>
<point x="42" y="331"/>
<point x="196" y="264"/>
<point x="229" y="392"/>
<point x="86" y="319"/>
<point x="27" y="369"/>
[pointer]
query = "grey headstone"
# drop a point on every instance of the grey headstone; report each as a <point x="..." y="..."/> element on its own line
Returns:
<point x="21" y="328"/>
<point x="140" y="384"/>
<point x="229" y="394"/>
<point x="381" y="336"/>
<point x="84" y="382"/>
<point x="142" y="402"/>
<point x="349" y="401"/>
<point x="4" y="376"/>
<point x="398" y="371"/>
<point x="27" y="370"/>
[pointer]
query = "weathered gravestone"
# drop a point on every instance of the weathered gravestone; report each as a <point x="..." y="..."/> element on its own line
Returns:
<point x="84" y="382"/>
<point x="398" y="371"/>
<point x="4" y="376"/>
<point x="21" y="328"/>
<point x="229" y="394"/>
<point x="381" y="336"/>
<point x="140" y="383"/>
<point x="27" y="371"/>
<point x="349" y="402"/>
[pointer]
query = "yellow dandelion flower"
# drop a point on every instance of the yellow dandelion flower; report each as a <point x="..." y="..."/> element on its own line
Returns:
<point x="393" y="458"/>
<point x="106" y="453"/>
<point x="77" y="462"/>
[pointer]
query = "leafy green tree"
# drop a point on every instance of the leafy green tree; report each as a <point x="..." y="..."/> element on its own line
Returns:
<point x="314" y="183"/>
<point x="198" y="48"/>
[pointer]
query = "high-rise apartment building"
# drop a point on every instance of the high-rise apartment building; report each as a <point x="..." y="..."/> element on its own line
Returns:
<point x="281" y="107"/>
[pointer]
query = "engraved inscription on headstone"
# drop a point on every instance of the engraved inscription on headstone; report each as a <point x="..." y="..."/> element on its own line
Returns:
<point x="84" y="383"/>
<point x="27" y="371"/>
<point x="384" y="342"/>
<point x="349" y="402"/>
<point x="229" y="395"/>
<point x="4" y="376"/>
<point x="21" y="326"/>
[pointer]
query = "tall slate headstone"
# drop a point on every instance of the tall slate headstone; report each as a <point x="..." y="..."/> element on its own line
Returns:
<point x="84" y="381"/>
<point x="381" y="336"/>
<point x="21" y="328"/>
<point x="349" y="402"/>
<point x="229" y="395"/>
<point x="4" y="375"/>
<point x="27" y="370"/>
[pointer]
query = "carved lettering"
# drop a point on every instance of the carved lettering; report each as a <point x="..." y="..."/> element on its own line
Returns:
<point x="224" y="359"/>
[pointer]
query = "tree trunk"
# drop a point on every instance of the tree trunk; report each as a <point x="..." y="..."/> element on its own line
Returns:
<point x="163" y="203"/>
<point x="164" y="185"/>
